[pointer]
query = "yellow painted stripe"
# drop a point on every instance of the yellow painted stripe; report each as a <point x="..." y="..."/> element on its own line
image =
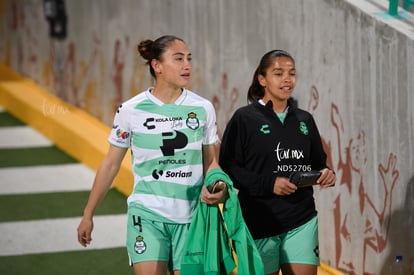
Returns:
<point x="72" y="130"/>
<point x="324" y="268"/>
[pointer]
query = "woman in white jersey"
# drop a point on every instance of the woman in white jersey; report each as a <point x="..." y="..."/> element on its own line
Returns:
<point x="172" y="134"/>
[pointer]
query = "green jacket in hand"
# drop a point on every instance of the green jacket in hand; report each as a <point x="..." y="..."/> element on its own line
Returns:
<point x="218" y="241"/>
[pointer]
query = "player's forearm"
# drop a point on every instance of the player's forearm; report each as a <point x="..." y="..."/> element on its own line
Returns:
<point x="210" y="158"/>
<point x="102" y="183"/>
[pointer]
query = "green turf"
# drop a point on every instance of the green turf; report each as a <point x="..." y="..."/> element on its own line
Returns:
<point x="22" y="207"/>
<point x="10" y="157"/>
<point x="56" y="205"/>
<point x="6" y="119"/>
<point x="88" y="262"/>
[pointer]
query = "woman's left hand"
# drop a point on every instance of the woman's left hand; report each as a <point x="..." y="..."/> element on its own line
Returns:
<point x="327" y="178"/>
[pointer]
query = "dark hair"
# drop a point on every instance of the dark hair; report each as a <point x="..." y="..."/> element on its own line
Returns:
<point x="150" y="50"/>
<point x="256" y="91"/>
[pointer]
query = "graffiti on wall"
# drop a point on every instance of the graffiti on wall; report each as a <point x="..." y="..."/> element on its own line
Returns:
<point x="360" y="217"/>
<point x="71" y="72"/>
<point x="225" y="103"/>
<point x="118" y="65"/>
<point x="75" y="79"/>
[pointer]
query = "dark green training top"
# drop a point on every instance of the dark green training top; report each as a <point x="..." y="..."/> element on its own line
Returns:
<point x="256" y="148"/>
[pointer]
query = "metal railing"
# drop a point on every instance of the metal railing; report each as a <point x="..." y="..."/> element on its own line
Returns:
<point x="393" y="6"/>
<point x="407" y="4"/>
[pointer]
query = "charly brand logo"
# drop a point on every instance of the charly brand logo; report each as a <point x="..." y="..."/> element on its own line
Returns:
<point x="265" y="129"/>
<point x="147" y="123"/>
<point x="192" y="121"/>
<point x="303" y="128"/>
<point x="172" y="141"/>
<point x="119" y="108"/>
<point x="316" y="251"/>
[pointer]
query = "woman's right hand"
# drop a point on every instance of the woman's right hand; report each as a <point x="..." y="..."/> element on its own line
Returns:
<point x="283" y="187"/>
<point x="85" y="232"/>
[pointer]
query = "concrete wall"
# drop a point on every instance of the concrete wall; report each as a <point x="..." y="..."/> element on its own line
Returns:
<point x="356" y="75"/>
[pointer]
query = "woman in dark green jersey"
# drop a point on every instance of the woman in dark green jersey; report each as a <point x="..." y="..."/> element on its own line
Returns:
<point x="263" y="143"/>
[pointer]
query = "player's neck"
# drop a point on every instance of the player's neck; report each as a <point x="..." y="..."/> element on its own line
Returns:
<point x="166" y="94"/>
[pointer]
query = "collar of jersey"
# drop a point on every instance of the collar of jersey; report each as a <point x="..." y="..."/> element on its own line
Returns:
<point x="154" y="99"/>
<point x="270" y="106"/>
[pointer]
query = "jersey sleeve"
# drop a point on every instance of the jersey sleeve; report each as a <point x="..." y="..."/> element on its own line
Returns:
<point x="318" y="157"/>
<point x="210" y="129"/>
<point x="232" y="159"/>
<point x="120" y="135"/>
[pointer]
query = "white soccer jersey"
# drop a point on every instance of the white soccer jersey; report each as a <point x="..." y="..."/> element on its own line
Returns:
<point x="166" y="143"/>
